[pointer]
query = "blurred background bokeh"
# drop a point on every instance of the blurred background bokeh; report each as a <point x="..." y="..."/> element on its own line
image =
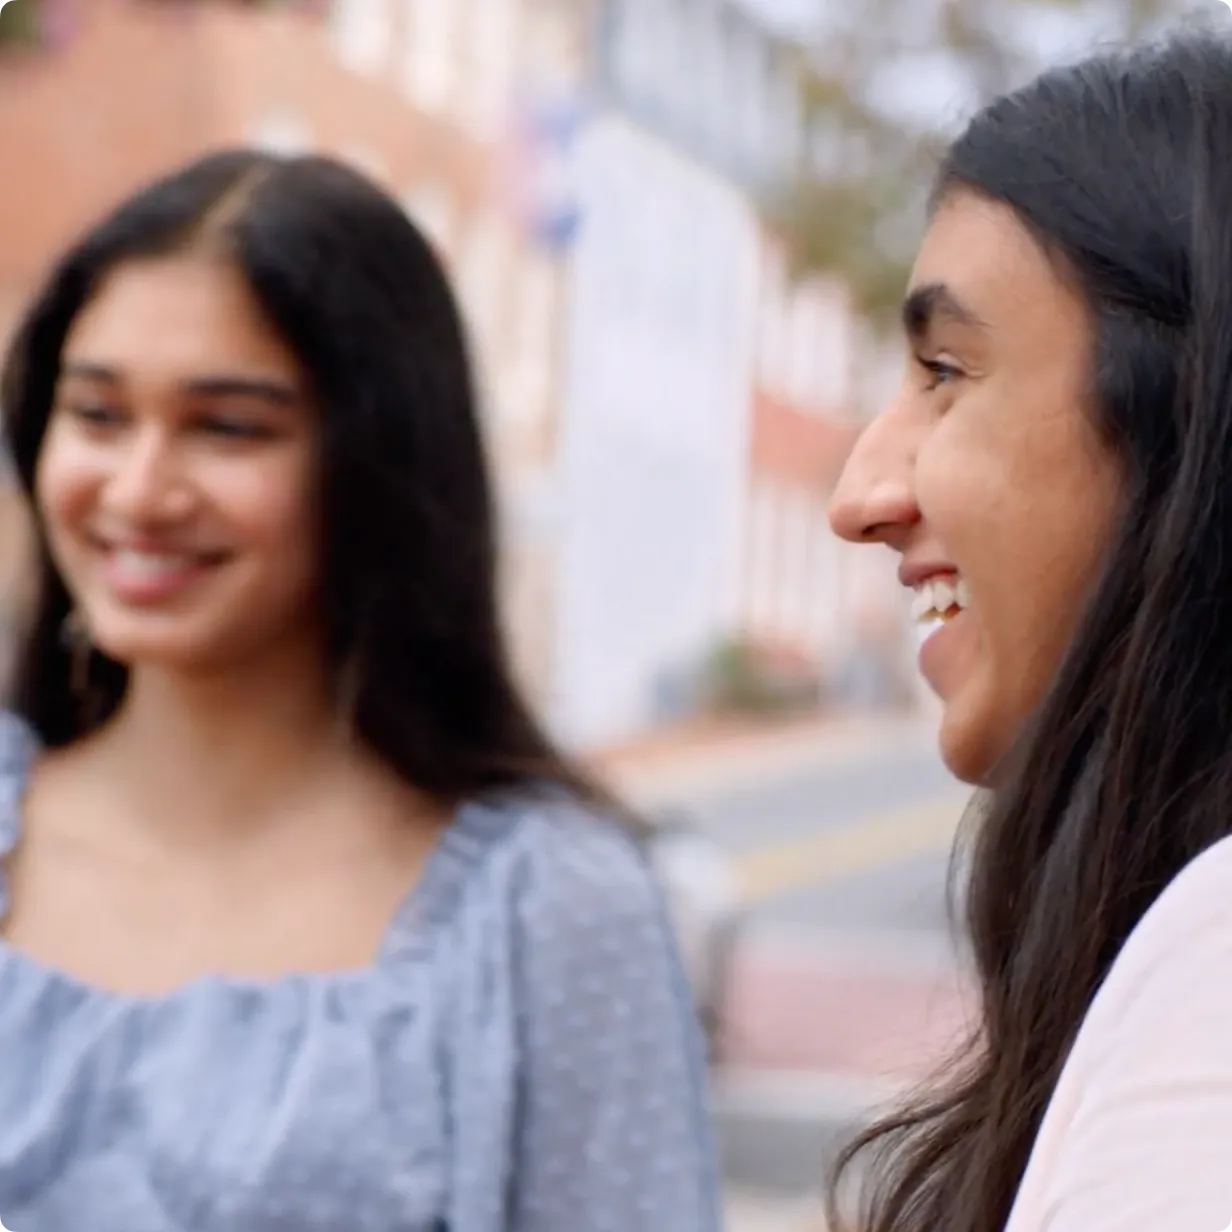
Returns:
<point x="679" y="230"/>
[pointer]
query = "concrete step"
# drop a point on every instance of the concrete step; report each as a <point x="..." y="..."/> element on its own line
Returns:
<point x="780" y="1133"/>
<point x="749" y="1211"/>
<point x="817" y="1039"/>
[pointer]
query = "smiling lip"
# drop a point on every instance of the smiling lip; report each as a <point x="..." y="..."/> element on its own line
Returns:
<point x="912" y="573"/>
<point x="148" y="574"/>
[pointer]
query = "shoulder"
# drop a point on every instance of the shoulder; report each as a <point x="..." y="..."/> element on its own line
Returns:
<point x="1192" y="916"/>
<point x="1180" y="953"/>
<point x="1200" y="887"/>
<point x="563" y="856"/>
<point x="1136" y="1135"/>
<point x="545" y="894"/>
<point x="568" y="881"/>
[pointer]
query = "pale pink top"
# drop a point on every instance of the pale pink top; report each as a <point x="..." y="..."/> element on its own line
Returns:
<point x="1138" y="1137"/>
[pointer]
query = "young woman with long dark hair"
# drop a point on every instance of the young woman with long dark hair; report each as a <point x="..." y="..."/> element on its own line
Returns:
<point x="1056" y="475"/>
<point x="305" y="923"/>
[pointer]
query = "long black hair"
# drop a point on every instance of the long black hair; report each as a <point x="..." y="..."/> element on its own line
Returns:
<point x="1121" y="168"/>
<point x="408" y="575"/>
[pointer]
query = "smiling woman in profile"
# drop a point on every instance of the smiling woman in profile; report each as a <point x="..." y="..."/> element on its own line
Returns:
<point x="306" y="925"/>
<point x="1056" y="474"/>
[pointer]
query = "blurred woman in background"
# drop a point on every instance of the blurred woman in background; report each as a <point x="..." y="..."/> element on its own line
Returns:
<point x="305" y="923"/>
<point x="1056" y="475"/>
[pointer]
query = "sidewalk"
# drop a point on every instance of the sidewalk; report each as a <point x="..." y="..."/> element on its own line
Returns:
<point x="815" y="1042"/>
<point x="820" y="1027"/>
<point x="712" y="756"/>
<point x="902" y="1013"/>
<point x="748" y="1212"/>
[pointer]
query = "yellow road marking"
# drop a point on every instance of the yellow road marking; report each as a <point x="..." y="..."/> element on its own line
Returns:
<point x="865" y="845"/>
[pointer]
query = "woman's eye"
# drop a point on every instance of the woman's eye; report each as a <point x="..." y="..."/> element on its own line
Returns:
<point x="939" y="373"/>
<point x="235" y="429"/>
<point x="96" y="415"/>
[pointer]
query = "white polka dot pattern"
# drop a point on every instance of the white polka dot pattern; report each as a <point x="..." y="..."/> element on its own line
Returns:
<point x="522" y="1057"/>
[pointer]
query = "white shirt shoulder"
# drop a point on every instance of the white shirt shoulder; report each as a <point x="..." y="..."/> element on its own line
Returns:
<point x="1138" y="1135"/>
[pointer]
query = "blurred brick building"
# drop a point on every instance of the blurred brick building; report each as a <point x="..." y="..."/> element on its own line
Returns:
<point x="97" y="96"/>
<point x="125" y="89"/>
<point x="472" y="114"/>
<point x="810" y="607"/>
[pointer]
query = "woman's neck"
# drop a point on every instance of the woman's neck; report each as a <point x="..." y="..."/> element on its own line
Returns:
<point x="227" y="751"/>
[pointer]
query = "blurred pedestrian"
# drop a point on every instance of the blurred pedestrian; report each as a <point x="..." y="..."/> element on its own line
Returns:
<point x="1056" y="473"/>
<point x="306" y="923"/>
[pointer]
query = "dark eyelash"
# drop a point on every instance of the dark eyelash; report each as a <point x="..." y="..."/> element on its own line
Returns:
<point x="236" y="429"/>
<point x="94" y="414"/>
<point x="941" y="372"/>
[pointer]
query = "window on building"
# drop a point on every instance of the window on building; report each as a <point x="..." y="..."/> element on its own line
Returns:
<point x="283" y="133"/>
<point x="794" y="607"/>
<point x="833" y="343"/>
<point x="770" y="344"/>
<point x="532" y="336"/>
<point x="551" y="61"/>
<point x="672" y="33"/>
<point x="747" y="65"/>
<point x="491" y="42"/>
<point x="712" y="84"/>
<point x="485" y="254"/>
<point x="828" y="623"/>
<point x="761" y="558"/>
<point x="431" y="207"/>
<point x="644" y="50"/>
<point x="802" y="343"/>
<point x="431" y="67"/>
<point x="627" y="66"/>
<point x="362" y="33"/>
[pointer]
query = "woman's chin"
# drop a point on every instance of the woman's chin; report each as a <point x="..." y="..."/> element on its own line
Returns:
<point x="969" y="743"/>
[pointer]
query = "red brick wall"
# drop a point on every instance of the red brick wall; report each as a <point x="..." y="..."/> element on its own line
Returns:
<point x="141" y="88"/>
<point x="81" y="126"/>
<point x="284" y="59"/>
<point x="797" y="447"/>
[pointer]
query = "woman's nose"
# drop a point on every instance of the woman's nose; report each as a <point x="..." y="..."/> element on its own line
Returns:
<point x="145" y="485"/>
<point x="875" y="496"/>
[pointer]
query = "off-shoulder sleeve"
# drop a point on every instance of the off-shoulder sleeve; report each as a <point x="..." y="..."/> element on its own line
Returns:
<point x="1145" y="1142"/>
<point x="613" y="1131"/>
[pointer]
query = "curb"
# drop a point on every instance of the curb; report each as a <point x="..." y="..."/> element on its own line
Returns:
<point x="730" y="764"/>
<point x="752" y="1211"/>
<point x="780" y="1133"/>
<point x="783" y="1109"/>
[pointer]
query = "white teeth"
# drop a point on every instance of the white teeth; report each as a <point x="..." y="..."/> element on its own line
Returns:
<point x="936" y="597"/>
<point x="149" y="566"/>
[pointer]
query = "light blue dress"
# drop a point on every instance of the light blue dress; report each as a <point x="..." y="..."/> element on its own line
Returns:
<point x="522" y="1055"/>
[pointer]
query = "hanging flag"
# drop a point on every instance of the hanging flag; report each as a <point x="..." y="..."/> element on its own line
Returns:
<point x="540" y="174"/>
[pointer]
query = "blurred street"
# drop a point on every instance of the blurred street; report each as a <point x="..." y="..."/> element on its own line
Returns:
<point x="844" y="982"/>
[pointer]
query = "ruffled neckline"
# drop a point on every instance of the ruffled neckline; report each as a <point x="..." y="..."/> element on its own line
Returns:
<point x="476" y="827"/>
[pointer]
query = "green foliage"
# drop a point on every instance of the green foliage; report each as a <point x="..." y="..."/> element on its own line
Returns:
<point x="739" y="680"/>
<point x="858" y="207"/>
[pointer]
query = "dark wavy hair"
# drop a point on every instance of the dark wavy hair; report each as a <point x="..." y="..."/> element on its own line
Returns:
<point x="409" y="557"/>
<point x="1121" y="168"/>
